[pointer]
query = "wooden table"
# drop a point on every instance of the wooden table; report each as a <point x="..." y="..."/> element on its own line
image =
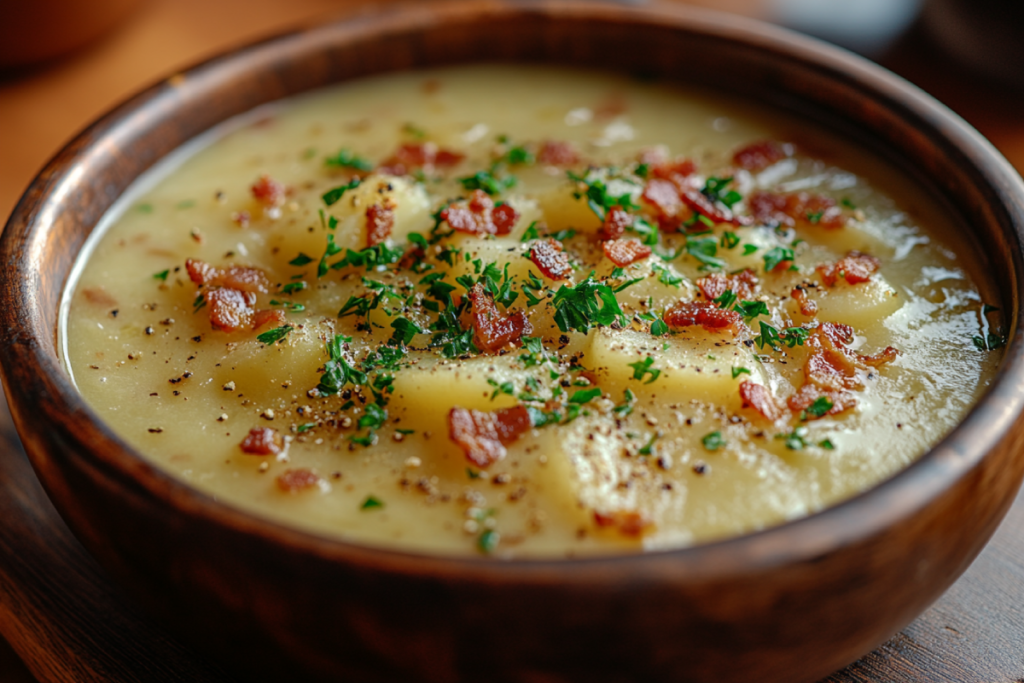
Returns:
<point x="63" y="617"/>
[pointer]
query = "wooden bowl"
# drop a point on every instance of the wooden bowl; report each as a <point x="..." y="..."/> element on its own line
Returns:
<point x="789" y="604"/>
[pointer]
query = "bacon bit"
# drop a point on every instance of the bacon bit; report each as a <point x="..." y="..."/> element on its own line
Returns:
<point x="743" y="284"/>
<point x="380" y="219"/>
<point x="411" y="258"/>
<point x="269" y="192"/>
<point x="703" y="313"/>
<point x="758" y="156"/>
<point x="242" y="278"/>
<point x="831" y="365"/>
<point x="491" y="330"/>
<point x="886" y="355"/>
<point x="855" y="268"/>
<point x="294" y="481"/>
<point x="696" y="201"/>
<point x="808" y="306"/>
<point x="550" y="260"/>
<point x="479" y="216"/>
<point x="758" y="397"/>
<point x="616" y="220"/>
<point x="798" y="207"/>
<point x="808" y="394"/>
<point x="663" y="196"/>
<point x="241" y="218"/>
<point x="482" y="436"/>
<point x="266" y="316"/>
<point x="673" y="170"/>
<point x="230" y="309"/>
<point x="424" y="155"/>
<point x="99" y="296"/>
<point x="627" y="522"/>
<point x="557" y="153"/>
<point x="262" y="441"/>
<point x="625" y="252"/>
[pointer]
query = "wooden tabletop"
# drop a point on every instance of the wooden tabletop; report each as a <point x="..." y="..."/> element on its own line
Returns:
<point x="61" y="615"/>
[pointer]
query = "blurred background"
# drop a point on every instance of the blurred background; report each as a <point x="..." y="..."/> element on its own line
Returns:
<point x="65" y="62"/>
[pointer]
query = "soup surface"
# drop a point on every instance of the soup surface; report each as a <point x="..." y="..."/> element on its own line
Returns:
<point x="529" y="312"/>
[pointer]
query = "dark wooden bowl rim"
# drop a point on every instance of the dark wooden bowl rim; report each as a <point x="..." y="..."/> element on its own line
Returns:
<point x="28" y="338"/>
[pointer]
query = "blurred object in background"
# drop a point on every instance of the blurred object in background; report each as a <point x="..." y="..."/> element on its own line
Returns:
<point x="987" y="36"/>
<point x="36" y="30"/>
<point x="865" y="26"/>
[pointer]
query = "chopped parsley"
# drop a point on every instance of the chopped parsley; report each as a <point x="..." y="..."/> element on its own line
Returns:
<point x="332" y="197"/>
<point x="704" y="249"/>
<point x="274" y="336"/>
<point x="337" y="372"/>
<point x="791" y="336"/>
<point x="713" y="441"/>
<point x="585" y="395"/>
<point x="162" y="275"/>
<point x="819" y="408"/>
<point x="737" y="371"/>
<point x="371" y="503"/>
<point x="486" y="181"/>
<point x="599" y="198"/>
<point x="346" y="159"/>
<point x="716" y="189"/>
<point x="775" y="256"/>
<point x="667" y="277"/>
<point x="585" y="305"/>
<point x="641" y="368"/>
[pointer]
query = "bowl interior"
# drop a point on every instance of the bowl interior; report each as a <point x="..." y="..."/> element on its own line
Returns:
<point x="836" y="90"/>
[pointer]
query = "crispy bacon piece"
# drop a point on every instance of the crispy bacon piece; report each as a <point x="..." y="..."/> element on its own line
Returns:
<point x="808" y="306"/>
<point x="663" y="196"/>
<point x="491" y="329"/>
<point x="269" y="192"/>
<point x="479" y="216"/>
<point x="242" y="278"/>
<point x="758" y="156"/>
<point x="625" y="252"/>
<point x="616" y="220"/>
<point x="798" y="207"/>
<point x="557" y="153"/>
<point x="743" y="284"/>
<point x="241" y="218"/>
<point x="698" y="202"/>
<point x="674" y="195"/>
<point x="550" y="260"/>
<point x="296" y="480"/>
<point x="808" y="394"/>
<point x="759" y="397"/>
<point x="230" y="309"/>
<point x="482" y="436"/>
<point x="266" y="316"/>
<point x="703" y="313"/>
<point x="855" y="267"/>
<point x="886" y="355"/>
<point x="832" y="366"/>
<point x="262" y="441"/>
<point x="380" y="219"/>
<point x="418" y="155"/>
<point x="411" y="257"/>
<point x="627" y="522"/>
<point x="675" y="171"/>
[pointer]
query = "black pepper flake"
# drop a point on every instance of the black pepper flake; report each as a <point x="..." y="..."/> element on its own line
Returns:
<point x="156" y="430"/>
<point x="197" y="338"/>
<point x="700" y="468"/>
<point x="149" y="330"/>
<point x="113" y="313"/>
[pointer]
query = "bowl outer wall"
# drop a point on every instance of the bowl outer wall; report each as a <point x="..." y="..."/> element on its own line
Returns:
<point x="269" y="597"/>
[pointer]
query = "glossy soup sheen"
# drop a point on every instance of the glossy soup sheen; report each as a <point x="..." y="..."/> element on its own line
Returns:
<point x="529" y="312"/>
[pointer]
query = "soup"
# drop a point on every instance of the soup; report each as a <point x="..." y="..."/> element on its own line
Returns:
<point x="529" y="312"/>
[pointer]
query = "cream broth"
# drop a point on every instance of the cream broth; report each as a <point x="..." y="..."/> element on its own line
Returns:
<point x="529" y="312"/>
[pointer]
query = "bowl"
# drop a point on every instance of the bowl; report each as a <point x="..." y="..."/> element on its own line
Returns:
<point x="788" y="604"/>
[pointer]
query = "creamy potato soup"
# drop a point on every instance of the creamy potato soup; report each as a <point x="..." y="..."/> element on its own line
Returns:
<point x="529" y="312"/>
